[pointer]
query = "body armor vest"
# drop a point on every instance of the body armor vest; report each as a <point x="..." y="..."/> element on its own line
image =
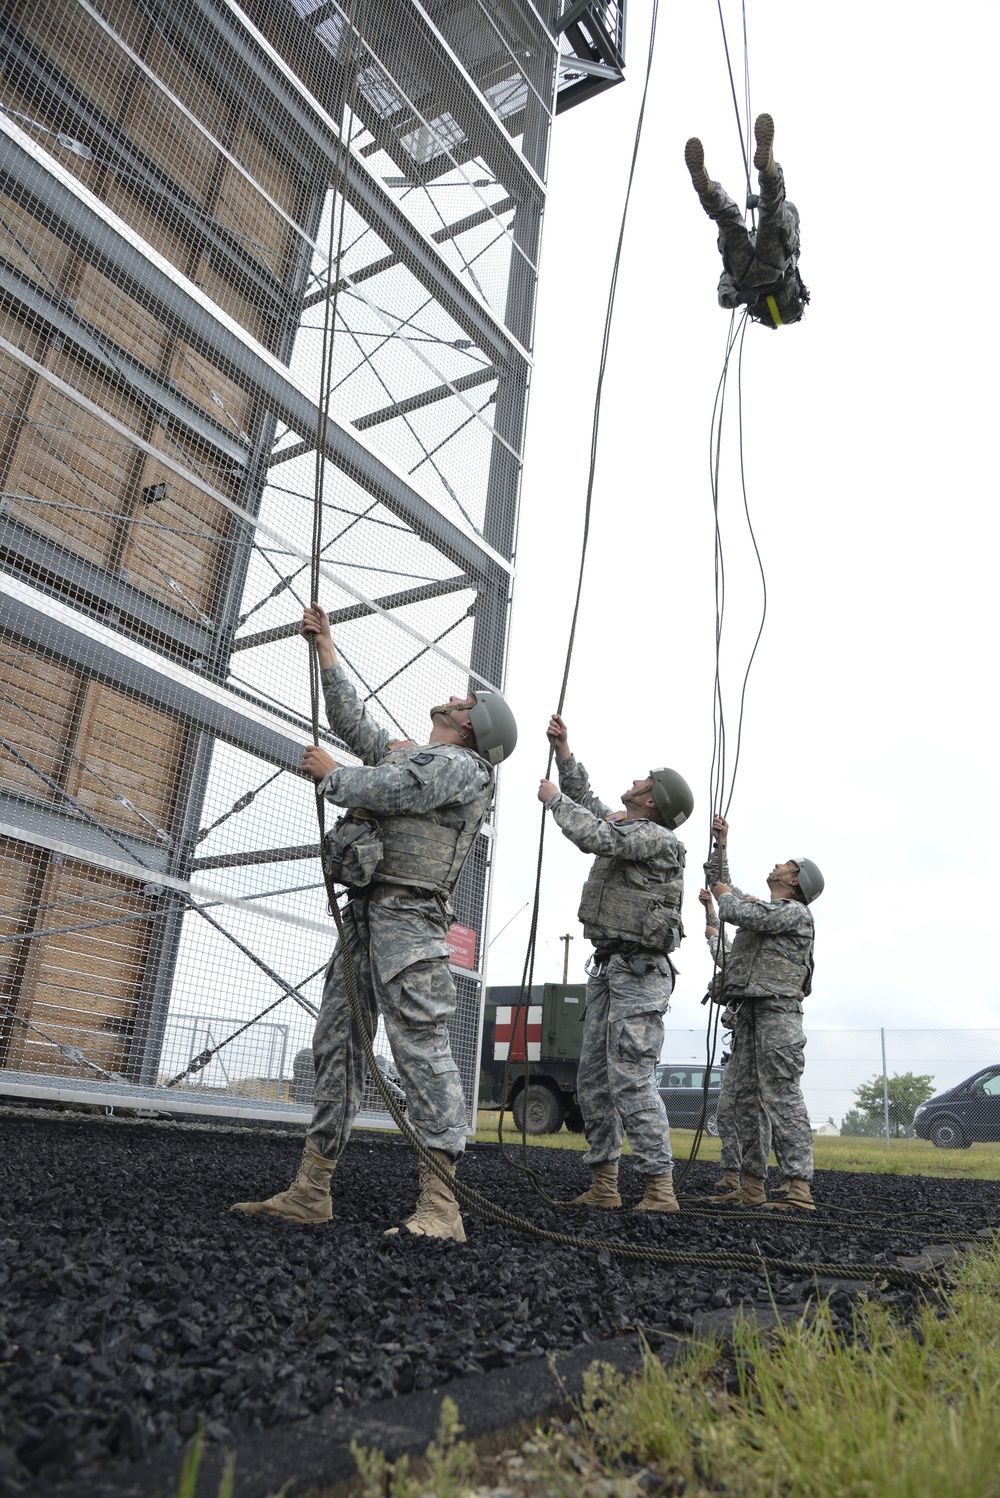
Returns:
<point x="633" y="902"/>
<point x="761" y="964"/>
<point x="427" y="850"/>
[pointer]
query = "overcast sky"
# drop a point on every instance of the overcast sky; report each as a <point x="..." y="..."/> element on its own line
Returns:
<point x="870" y="731"/>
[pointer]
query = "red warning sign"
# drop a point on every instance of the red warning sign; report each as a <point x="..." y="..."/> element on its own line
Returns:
<point x="462" y="946"/>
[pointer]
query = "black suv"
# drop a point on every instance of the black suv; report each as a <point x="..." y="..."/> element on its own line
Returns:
<point x="681" y="1086"/>
<point x="964" y="1115"/>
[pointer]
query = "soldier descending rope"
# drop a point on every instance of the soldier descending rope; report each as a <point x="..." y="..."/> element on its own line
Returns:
<point x="768" y="972"/>
<point x="415" y="813"/>
<point x="631" y="912"/>
<point x="761" y="270"/>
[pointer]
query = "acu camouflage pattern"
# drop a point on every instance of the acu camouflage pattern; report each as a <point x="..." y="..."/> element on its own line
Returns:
<point x="397" y="936"/>
<point x="731" y="1149"/>
<point x="636" y="884"/>
<point x="638" y="868"/>
<point x="616" y="1076"/>
<point x="767" y="260"/>
<point x="765" y="1101"/>
<point x="772" y="952"/>
<point x="768" y="1060"/>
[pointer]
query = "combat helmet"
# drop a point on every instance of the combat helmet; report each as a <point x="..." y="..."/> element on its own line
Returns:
<point x="672" y="795"/>
<point x="493" y="725"/>
<point x="811" y="881"/>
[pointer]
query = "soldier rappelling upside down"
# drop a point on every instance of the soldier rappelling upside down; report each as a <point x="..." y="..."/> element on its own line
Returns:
<point x="631" y="911"/>
<point x="415" y="813"/>
<point x="768" y="972"/>
<point x="761" y="269"/>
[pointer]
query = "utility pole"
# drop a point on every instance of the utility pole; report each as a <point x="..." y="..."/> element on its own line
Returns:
<point x="566" y="939"/>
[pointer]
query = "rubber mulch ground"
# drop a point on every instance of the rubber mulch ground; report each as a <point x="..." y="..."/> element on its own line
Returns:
<point x="132" y="1301"/>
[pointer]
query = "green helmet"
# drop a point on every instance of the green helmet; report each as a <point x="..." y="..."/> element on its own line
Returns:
<point x="811" y="881"/>
<point x="672" y="795"/>
<point x="494" y="726"/>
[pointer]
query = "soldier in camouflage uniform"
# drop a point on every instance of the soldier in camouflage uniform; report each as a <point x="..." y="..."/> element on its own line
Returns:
<point x="631" y="912"/>
<point x="416" y="811"/>
<point x="731" y="1151"/>
<point x="760" y="269"/>
<point x="768" y="972"/>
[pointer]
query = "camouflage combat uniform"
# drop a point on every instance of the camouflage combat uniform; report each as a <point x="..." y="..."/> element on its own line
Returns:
<point x="768" y="973"/>
<point x="631" y="978"/>
<point x="731" y="1151"/>
<point x="396" y="931"/>
<point x="761" y="261"/>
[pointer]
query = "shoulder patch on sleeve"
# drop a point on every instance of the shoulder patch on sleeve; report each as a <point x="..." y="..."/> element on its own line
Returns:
<point x="421" y="759"/>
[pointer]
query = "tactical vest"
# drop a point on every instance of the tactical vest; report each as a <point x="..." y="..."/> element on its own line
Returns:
<point x="632" y="902"/>
<point x="428" y="851"/>
<point x="763" y="963"/>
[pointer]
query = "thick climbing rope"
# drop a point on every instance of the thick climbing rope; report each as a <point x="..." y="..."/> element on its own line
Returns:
<point x="520" y="1016"/>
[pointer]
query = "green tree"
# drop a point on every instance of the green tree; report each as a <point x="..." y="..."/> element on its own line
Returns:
<point x="858" y="1125"/>
<point x="906" y="1092"/>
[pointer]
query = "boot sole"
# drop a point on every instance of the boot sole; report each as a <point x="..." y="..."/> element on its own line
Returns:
<point x="763" y="131"/>
<point x="261" y="1209"/>
<point x="607" y="1206"/>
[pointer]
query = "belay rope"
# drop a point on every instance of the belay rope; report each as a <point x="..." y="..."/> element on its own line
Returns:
<point x="467" y="1195"/>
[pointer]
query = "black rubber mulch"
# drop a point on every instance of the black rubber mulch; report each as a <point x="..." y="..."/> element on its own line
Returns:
<point x="132" y="1301"/>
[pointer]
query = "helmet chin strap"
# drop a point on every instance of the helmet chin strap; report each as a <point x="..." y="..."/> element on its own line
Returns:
<point x="464" y="733"/>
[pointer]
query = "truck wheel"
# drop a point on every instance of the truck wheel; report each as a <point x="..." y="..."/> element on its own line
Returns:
<point x="712" y="1125"/>
<point x="574" y="1120"/>
<point x="947" y="1134"/>
<point x="542" y="1110"/>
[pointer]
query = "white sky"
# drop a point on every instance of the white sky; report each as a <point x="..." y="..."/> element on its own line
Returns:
<point x="870" y="730"/>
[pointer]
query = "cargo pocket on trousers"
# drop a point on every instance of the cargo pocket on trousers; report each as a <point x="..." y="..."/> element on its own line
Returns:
<point x="640" y="1037"/>
<point x="788" y="1062"/>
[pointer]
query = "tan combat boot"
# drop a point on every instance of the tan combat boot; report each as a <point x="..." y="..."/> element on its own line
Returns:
<point x="659" y="1194"/>
<point x="694" y="160"/>
<point x="436" y="1214"/>
<point x="797" y="1194"/>
<point x="750" y="1194"/>
<point x="307" y="1198"/>
<point x="763" y="157"/>
<point x="604" y="1190"/>
<point x="729" y="1181"/>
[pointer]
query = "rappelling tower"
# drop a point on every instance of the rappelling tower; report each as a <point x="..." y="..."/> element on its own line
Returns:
<point x="168" y="173"/>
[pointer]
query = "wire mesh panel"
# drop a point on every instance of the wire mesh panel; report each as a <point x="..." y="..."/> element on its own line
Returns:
<point x="203" y="208"/>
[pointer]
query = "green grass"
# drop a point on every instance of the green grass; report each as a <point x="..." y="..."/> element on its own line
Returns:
<point x="896" y="1411"/>
<point x="981" y="1162"/>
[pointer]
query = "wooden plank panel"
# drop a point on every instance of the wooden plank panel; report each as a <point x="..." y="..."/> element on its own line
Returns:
<point x="207" y="385"/>
<point x="134" y="751"/>
<point x="73" y="472"/>
<point x="37" y="703"/>
<point x="274" y="173"/>
<point x="235" y="302"/>
<point x="81" y="49"/>
<point x="164" y="133"/>
<point x="35" y="252"/>
<point x="82" y="988"/>
<point x="15" y="380"/>
<point x="158" y="232"/>
<point x="263" y="233"/>
<point x="131" y="326"/>
<point x="21" y="879"/>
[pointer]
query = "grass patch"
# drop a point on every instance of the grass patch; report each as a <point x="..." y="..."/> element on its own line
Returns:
<point x="897" y="1411"/>
<point x="981" y="1162"/>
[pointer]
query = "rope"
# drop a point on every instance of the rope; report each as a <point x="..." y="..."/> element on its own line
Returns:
<point x="528" y="972"/>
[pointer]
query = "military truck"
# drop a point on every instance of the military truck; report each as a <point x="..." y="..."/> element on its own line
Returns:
<point x="552" y="1021"/>
<point x="554" y="1032"/>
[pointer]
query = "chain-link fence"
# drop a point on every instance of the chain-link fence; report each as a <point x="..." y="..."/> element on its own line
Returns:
<point x="870" y="1083"/>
